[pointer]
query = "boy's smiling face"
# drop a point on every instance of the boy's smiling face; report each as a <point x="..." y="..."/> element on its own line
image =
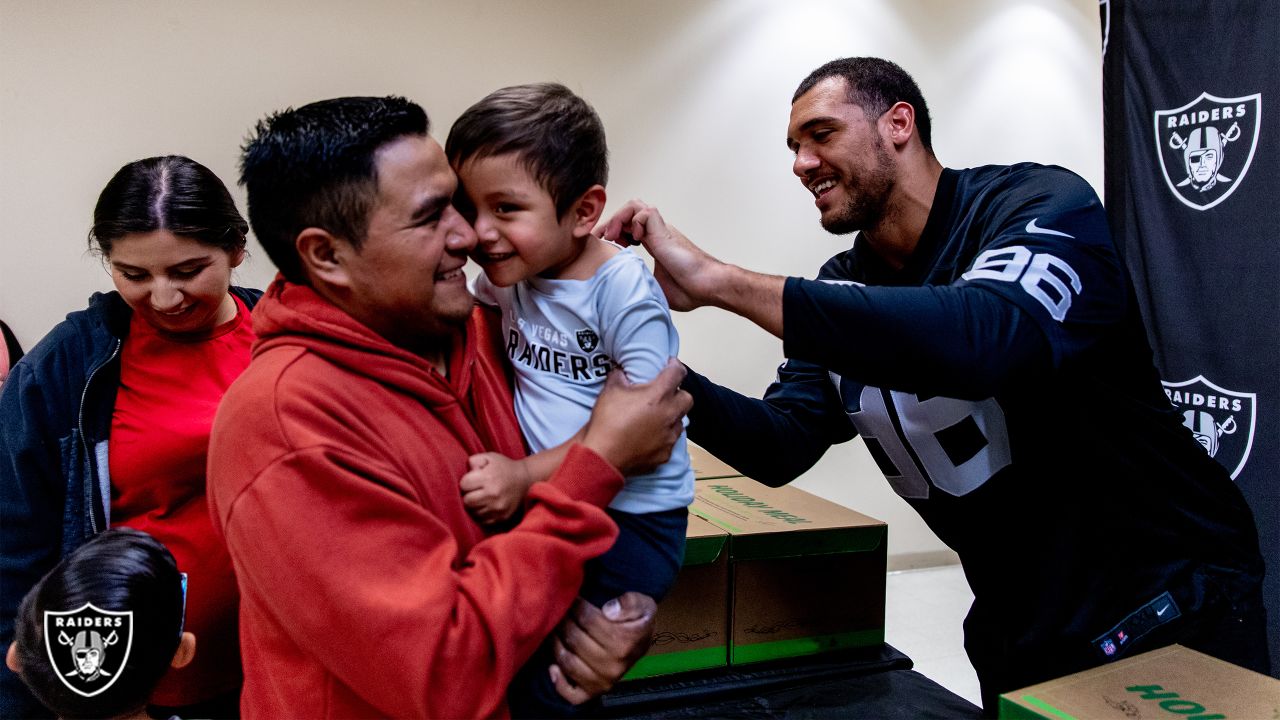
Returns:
<point x="518" y="233"/>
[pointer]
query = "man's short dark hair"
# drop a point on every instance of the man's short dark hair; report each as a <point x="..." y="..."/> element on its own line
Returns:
<point x="315" y="167"/>
<point x="121" y="569"/>
<point x="875" y="84"/>
<point x="556" y="134"/>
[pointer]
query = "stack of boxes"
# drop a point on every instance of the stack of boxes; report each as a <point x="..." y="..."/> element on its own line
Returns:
<point x="769" y="573"/>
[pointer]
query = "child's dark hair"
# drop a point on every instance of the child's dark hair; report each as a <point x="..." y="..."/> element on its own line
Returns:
<point x="557" y="135"/>
<point x="121" y="569"/>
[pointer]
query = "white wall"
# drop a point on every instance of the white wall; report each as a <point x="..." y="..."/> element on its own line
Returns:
<point x="694" y="95"/>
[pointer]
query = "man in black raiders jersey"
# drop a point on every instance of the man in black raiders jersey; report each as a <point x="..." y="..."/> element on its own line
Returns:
<point x="967" y="336"/>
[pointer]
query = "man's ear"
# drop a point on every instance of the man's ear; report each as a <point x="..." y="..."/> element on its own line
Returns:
<point x="586" y="210"/>
<point x="11" y="658"/>
<point x="321" y="254"/>
<point x="186" y="651"/>
<point x="899" y="123"/>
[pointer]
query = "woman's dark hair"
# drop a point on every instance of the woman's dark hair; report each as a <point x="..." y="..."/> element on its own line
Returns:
<point x="173" y="193"/>
<point x="121" y="569"/>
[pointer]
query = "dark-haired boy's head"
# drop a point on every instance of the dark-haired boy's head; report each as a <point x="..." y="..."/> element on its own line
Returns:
<point x="557" y="136"/>
<point x="316" y="167"/>
<point x="113" y="669"/>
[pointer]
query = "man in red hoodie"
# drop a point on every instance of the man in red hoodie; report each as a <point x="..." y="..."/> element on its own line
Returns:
<point x="366" y="588"/>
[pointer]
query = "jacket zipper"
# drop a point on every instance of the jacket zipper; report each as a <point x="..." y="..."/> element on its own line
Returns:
<point x="84" y="438"/>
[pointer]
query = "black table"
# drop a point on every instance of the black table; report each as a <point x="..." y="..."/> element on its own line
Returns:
<point x="865" y="683"/>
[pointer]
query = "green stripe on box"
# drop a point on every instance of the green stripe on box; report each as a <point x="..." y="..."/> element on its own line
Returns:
<point x="1010" y="710"/>
<point x="714" y="521"/>
<point x="812" y="645"/>
<point x="668" y="663"/>
<point x="1042" y="705"/>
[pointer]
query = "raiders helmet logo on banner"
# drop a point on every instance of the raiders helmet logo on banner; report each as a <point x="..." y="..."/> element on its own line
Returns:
<point x="88" y="647"/>
<point x="1222" y="420"/>
<point x="1206" y="147"/>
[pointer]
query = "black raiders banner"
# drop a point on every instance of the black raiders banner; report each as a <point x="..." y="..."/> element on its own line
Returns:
<point x="1192" y="133"/>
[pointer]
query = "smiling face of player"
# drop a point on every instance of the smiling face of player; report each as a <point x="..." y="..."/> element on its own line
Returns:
<point x="840" y="157"/>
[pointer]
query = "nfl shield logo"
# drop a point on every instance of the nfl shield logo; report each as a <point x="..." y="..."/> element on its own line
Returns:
<point x="88" y="647"/>
<point x="1206" y="146"/>
<point x="587" y="340"/>
<point x="1222" y="420"/>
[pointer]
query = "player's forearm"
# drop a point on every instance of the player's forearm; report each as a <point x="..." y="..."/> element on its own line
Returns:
<point x="754" y="296"/>
<point x="775" y="439"/>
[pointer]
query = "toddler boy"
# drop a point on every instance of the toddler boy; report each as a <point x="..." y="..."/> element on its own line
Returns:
<point x="532" y="162"/>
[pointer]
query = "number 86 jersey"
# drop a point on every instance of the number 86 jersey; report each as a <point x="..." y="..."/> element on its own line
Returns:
<point x="1003" y="383"/>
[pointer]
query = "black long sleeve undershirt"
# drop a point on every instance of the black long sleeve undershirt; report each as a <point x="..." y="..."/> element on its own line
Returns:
<point x="955" y="341"/>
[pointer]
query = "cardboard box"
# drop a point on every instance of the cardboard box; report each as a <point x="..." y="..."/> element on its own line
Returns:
<point x="1169" y="682"/>
<point x="707" y="466"/>
<point x="691" y="630"/>
<point x="806" y="575"/>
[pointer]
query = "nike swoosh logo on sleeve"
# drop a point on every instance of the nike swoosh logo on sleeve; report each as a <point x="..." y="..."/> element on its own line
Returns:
<point x="1034" y="229"/>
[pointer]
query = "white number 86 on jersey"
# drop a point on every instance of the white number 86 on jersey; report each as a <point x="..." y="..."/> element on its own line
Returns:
<point x="1043" y="276"/>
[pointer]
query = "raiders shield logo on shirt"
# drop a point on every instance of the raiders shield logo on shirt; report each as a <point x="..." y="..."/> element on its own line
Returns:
<point x="1222" y="420"/>
<point x="1206" y="146"/>
<point x="88" y="647"/>
<point x="587" y="340"/>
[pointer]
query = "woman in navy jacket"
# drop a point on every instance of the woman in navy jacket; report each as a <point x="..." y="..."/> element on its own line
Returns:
<point x="170" y="234"/>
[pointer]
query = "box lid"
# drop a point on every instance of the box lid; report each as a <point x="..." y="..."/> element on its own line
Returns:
<point x="770" y="522"/>
<point x="706" y="466"/>
<point x="1169" y="682"/>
